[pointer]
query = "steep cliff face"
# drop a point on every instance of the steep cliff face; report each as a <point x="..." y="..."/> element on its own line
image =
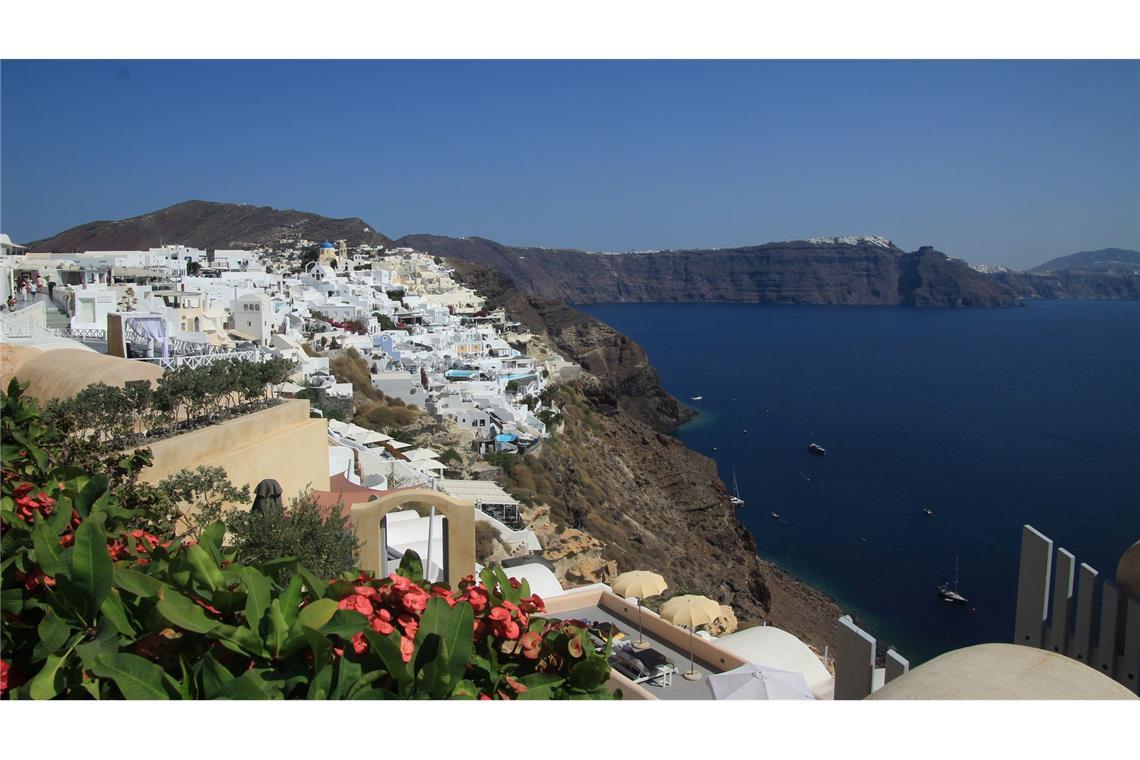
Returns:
<point x="205" y="224"/>
<point x="615" y="473"/>
<point x="832" y="271"/>
<point x="1068" y="284"/>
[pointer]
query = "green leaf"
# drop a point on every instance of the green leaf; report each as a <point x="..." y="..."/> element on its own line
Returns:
<point x="291" y="600"/>
<point x="48" y="682"/>
<point x="256" y="595"/>
<point x="238" y="638"/>
<point x="465" y="689"/>
<point x="91" y="566"/>
<point x="212" y="538"/>
<point x="106" y="641"/>
<point x="387" y="648"/>
<point x="139" y="584"/>
<point x="249" y="685"/>
<point x="48" y="551"/>
<point x="204" y="568"/>
<point x="278" y="629"/>
<point x="179" y="610"/>
<point x="348" y="672"/>
<point x="589" y="673"/>
<point x="53" y="632"/>
<point x="453" y="627"/>
<point x="315" y="585"/>
<point x="114" y="612"/>
<point x="316" y="614"/>
<point x="540" y="686"/>
<point x="344" y="623"/>
<point x="214" y="676"/>
<point x="411" y="567"/>
<point x="135" y="677"/>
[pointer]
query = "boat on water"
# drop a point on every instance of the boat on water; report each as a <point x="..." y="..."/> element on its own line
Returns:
<point x="928" y="511"/>
<point x="695" y="398"/>
<point x="949" y="592"/>
<point x="775" y="515"/>
<point x="737" y="502"/>
<point x="815" y="448"/>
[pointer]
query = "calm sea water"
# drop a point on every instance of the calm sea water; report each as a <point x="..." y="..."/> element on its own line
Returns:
<point x="993" y="418"/>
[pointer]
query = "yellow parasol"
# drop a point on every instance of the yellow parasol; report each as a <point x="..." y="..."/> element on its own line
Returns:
<point x="690" y="611"/>
<point x="642" y="584"/>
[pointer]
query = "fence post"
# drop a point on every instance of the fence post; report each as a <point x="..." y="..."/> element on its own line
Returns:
<point x="1062" y="598"/>
<point x="1106" y="642"/>
<point x="854" y="661"/>
<point x="1032" y="587"/>
<point x="896" y="665"/>
<point x="1081" y="642"/>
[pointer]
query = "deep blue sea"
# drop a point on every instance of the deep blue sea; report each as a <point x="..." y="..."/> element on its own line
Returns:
<point x="993" y="418"/>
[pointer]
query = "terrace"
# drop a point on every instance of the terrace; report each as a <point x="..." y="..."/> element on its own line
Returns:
<point x="599" y="604"/>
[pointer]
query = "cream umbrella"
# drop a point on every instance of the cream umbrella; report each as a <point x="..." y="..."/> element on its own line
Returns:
<point x="690" y="610"/>
<point x="642" y="584"/>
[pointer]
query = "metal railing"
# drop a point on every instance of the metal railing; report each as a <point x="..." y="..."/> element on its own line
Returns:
<point x="1098" y="626"/>
<point x="79" y="333"/>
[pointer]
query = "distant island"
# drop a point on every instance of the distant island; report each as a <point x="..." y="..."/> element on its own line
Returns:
<point x="847" y="270"/>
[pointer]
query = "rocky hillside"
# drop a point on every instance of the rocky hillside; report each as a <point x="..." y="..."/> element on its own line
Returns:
<point x="616" y="474"/>
<point x="1114" y="260"/>
<point x="205" y="224"/>
<point x="857" y="270"/>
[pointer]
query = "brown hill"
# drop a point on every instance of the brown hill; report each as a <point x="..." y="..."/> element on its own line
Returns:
<point x="205" y="224"/>
<point x="860" y="272"/>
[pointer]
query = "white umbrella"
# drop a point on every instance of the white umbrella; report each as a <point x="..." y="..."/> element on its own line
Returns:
<point x="751" y="681"/>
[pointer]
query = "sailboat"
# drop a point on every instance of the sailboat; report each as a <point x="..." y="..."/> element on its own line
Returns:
<point x="735" y="498"/>
<point x="948" y="592"/>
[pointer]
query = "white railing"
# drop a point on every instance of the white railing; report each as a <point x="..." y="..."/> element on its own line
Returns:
<point x="1098" y="626"/>
<point x="201" y="360"/>
<point x="80" y="333"/>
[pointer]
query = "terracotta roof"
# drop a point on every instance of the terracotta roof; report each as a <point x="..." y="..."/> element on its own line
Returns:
<point x="346" y="493"/>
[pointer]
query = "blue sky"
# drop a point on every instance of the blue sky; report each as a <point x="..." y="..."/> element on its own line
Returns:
<point x="995" y="162"/>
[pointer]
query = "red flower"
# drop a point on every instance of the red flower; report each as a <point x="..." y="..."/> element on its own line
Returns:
<point x="518" y="686"/>
<point x="499" y="614"/>
<point x="477" y="598"/>
<point x="356" y="602"/>
<point x="409" y="624"/>
<point x="367" y="591"/>
<point x="407" y="646"/>
<point x="485" y="697"/>
<point x="359" y="644"/>
<point x="381" y="626"/>
<point x="482" y="628"/>
<point x="4" y="667"/>
<point x="67" y="540"/>
<point x="531" y="643"/>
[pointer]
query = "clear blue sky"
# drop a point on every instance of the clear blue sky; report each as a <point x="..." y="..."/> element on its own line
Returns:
<point x="996" y="162"/>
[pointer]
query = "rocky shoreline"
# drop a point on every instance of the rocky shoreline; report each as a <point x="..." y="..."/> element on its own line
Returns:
<point x="622" y="493"/>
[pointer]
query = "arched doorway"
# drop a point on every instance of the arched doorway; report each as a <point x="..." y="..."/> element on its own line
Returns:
<point x="455" y="521"/>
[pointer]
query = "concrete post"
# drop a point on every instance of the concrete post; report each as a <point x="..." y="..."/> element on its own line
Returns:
<point x="1106" y="642"/>
<point x="1128" y="671"/>
<point x="896" y="665"/>
<point x="1062" y="599"/>
<point x="1032" y="587"/>
<point x="854" y="660"/>
<point x="1081" y="642"/>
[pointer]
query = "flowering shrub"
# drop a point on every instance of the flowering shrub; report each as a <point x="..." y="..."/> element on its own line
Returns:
<point x="96" y="608"/>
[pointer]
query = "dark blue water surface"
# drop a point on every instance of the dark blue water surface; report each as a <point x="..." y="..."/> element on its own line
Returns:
<point x="991" y="417"/>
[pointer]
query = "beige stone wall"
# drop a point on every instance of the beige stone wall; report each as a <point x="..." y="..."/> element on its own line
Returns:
<point x="281" y="443"/>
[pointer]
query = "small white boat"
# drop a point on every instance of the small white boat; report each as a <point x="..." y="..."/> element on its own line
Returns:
<point x="775" y="515"/>
<point x="695" y="398"/>
<point x="949" y="592"/>
<point x="735" y="499"/>
<point x="816" y="449"/>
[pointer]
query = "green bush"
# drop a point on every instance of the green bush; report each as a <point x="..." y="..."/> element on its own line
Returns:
<point x="324" y="544"/>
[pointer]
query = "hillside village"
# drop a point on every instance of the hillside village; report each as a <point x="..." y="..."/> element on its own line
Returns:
<point x="422" y="380"/>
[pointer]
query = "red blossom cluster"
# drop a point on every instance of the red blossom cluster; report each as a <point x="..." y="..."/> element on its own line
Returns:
<point x="28" y="506"/>
<point x="143" y="542"/>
